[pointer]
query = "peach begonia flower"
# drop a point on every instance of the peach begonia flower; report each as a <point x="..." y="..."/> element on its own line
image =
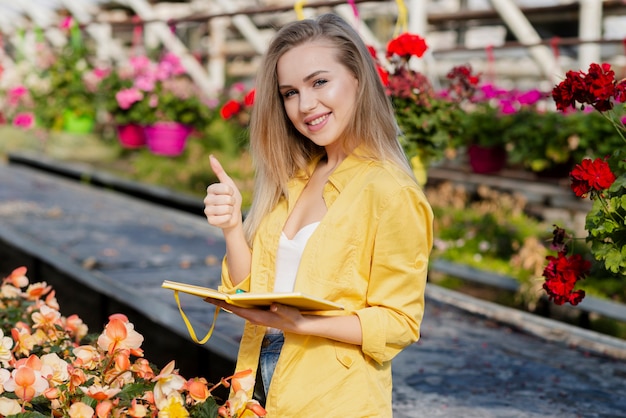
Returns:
<point x="24" y="341"/>
<point x="18" y="277"/>
<point x="142" y="368"/>
<point x="243" y="380"/>
<point x="4" y="376"/>
<point x="52" y="302"/>
<point x="119" y="335"/>
<point x="77" y="378"/>
<point x="167" y="383"/>
<point x="198" y="389"/>
<point x="9" y="407"/>
<point x="104" y="408"/>
<point x="37" y="290"/>
<point x="60" y="368"/>
<point x="122" y="361"/>
<point x="100" y="393"/>
<point x="75" y="327"/>
<point x="6" y="344"/>
<point x="26" y="380"/>
<point x="81" y="410"/>
<point x="52" y="393"/>
<point x="8" y="291"/>
<point x="87" y="356"/>
<point x="137" y="410"/>
<point x="46" y="318"/>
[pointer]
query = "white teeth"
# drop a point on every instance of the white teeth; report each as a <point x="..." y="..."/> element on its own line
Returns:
<point x="318" y="120"/>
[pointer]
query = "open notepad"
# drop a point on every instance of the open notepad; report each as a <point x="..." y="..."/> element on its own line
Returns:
<point x="301" y="301"/>
<point x="257" y="300"/>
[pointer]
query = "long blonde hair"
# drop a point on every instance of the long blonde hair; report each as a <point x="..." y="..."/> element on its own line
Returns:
<point x="278" y="150"/>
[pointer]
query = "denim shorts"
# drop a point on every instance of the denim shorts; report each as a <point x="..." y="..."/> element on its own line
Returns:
<point x="270" y="351"/>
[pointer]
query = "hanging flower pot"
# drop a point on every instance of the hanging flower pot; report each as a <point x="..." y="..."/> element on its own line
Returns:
<point x="167" y="138"/>
<point x="485" y="160"/>
<point x="131" y="135"/>
<point x="77" y="124"/>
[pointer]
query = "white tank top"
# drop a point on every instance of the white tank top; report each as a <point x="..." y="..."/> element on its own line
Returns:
<point x="288" y="257"/>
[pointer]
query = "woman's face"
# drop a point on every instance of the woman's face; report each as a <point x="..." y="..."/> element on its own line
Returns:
<point x="319" y="93"/>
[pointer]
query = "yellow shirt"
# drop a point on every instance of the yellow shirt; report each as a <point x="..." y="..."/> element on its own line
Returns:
<point x="370" y="254"/>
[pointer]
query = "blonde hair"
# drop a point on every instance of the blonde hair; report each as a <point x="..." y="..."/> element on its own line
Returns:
<point x="278" y="150"/>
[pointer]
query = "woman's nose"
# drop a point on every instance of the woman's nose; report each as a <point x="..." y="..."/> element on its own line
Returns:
<point x="308" y="102"/>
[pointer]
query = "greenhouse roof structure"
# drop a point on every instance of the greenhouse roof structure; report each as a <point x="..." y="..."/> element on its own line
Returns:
<point x="220" y="39"/>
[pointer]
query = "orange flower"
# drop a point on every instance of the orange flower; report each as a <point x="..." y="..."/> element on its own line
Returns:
<point x="137" y="410"/>
<point x="26" y="380"/>
<point x="197" y="388"/>
<point x="104" y="408"/>
<point x="37" y="290"/>
<point x="47" y="318"/>
<point x="18" y="277"/>
<point x="24" y="341"/>
<point x="243" y="380"/>
<point x="99" y="392"/>
<point x="81" y="410"/>
<point x="142" y="368"/>
<point x="75" y="327"/>
<point x="119" y="335"/>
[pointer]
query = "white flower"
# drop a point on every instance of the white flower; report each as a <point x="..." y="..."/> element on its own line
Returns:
<point x="6" y="344"/>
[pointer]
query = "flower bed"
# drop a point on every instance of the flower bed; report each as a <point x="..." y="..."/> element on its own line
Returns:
<point x="51" y="366"/>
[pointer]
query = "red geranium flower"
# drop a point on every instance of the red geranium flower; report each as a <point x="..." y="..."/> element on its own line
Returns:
<point x="562" y="273"/>
<point x="591" y="175"/>
<point x="248" y="100"/>
<point x="407" y="45"/>
<point x="597" y="88"/>
<point x="230" y="109"/>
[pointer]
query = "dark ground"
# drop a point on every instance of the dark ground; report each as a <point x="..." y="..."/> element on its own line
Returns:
<point x="475" y="359"/>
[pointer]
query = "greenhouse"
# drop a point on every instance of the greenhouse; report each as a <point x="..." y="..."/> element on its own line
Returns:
<point x="509" y="115"/>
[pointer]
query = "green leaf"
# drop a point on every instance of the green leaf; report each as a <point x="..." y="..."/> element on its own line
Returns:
<point x="615" y="260"/>
<point x="207" y="409"/>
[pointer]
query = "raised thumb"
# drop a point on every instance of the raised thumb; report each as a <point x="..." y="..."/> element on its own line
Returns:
<point x="219" y="171"/>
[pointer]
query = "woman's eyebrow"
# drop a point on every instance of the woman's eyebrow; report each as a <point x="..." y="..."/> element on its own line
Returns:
<point x="305" y="79"/>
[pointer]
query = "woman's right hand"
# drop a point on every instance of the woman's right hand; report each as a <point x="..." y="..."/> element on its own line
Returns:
<point x="222" y="204"/>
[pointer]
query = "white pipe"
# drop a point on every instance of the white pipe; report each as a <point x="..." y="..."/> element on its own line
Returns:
<point x="590" y="29"/>
<point x="527" y="35"/>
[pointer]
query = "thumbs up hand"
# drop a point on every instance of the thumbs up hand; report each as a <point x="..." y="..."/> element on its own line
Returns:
<point x="222" y="204"/>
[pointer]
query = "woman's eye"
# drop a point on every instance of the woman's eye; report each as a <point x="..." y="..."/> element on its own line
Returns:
<point x="320" y="82"/>
<point x="288" y="93"/>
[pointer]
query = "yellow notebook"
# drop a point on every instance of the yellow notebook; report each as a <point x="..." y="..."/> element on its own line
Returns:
<point x="257" y="300"/>
<point x="246" y="300"/>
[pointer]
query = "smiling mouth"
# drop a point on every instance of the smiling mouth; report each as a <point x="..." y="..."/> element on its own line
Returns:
<point x="319" y="120"/>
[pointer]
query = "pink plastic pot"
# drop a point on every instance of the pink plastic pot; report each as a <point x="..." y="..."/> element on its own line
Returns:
<point x="167" y="138"/>
<point x="131" y="135"/>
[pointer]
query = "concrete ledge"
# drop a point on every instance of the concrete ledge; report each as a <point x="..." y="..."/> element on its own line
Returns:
<point x="548" y="329"/>
<point x="86" y="174"/>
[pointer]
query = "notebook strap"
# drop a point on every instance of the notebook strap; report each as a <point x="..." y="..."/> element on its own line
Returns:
<point x="192" y="333"/>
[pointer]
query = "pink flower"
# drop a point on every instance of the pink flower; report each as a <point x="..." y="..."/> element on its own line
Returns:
<point x="140" y="64"/>
<point x="127" y="97"/>
<point x="16" y="93"/>
<point x="170" y="65"/>
<point x="530" y="97"/>
<point x="507" y="107"/>
<point x="67" y="22"/>
<point x="146" y="82"/>
<point x="25" y="120"/>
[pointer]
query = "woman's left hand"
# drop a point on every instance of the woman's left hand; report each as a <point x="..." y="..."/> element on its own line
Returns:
<point x="278" y="316"/>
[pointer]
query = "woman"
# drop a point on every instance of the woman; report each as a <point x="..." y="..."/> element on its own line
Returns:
<point x="337" y="214"/>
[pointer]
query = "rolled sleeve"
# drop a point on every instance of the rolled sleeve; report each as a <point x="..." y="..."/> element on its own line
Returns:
<point x="395" y="295"/>
<point x="227" y="284"/>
